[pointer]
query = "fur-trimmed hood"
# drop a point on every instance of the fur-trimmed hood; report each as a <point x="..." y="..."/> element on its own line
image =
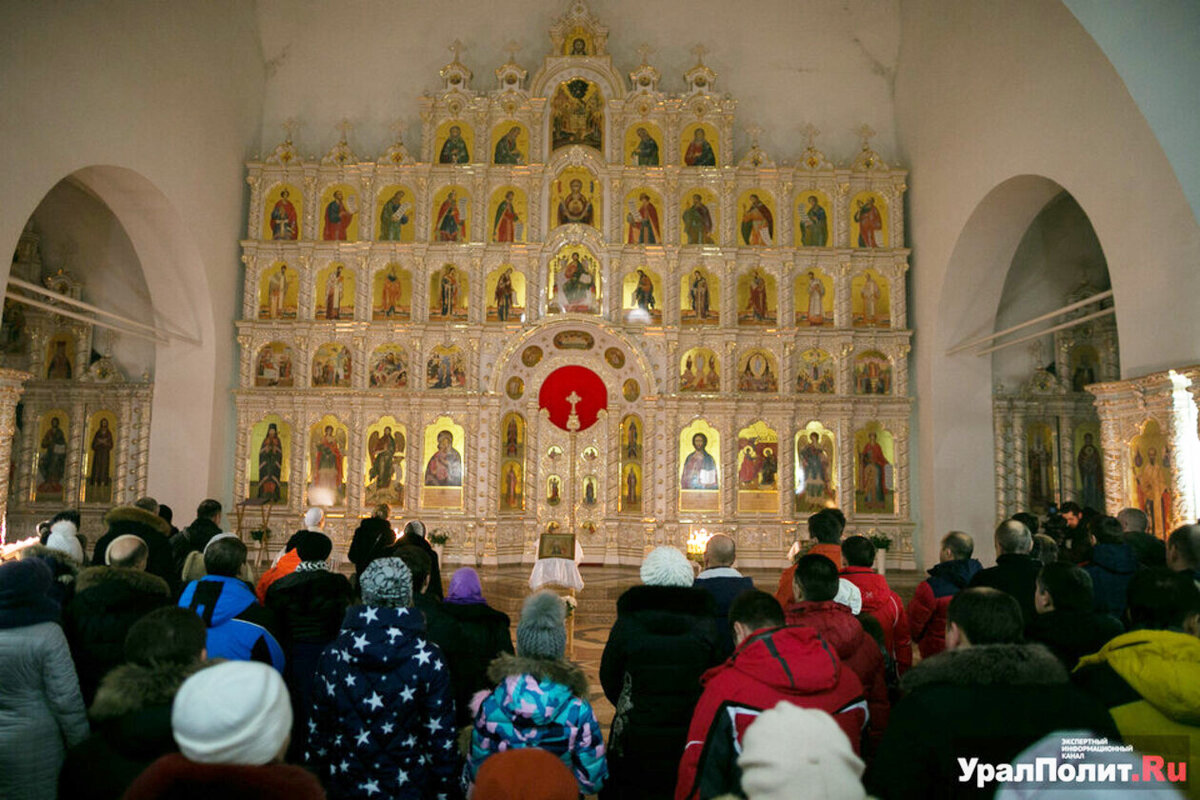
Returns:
<point x="65" y="567"/>
<point x="565" y="673"/>
<point x="988" y="665"/>
<point x="135" y="580"/>
<point x="133" y="687"/>
<point x="138" y="516"/>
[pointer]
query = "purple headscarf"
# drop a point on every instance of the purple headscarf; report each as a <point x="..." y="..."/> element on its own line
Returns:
<point x="465" y="588"/>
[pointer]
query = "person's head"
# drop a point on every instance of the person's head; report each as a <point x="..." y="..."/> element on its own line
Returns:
<point x="419" y="564"/>
<point x="578" y="47"/>
<point x="169" y="635"/>
<point x="1072" y="512"/>
<point x="314" y="518"/>
<point x="1028" y="520"/>
<point x="147" y="504"/>
<point x="465" y="588"/>
<point x="857" y="551"/>
<point x="166" y="513"/>
<point x="127" y="551"/>
<point x="312" y="546"/>
<point x="754" y="610"/>
<point x="445" y="439"/>
<point x="1133" y="520"/>
<point x="697" y="200"/>
<point x="699" y="441"/>
<point x="982" y="615"/>
<point x="541" y="632"/>
<point x="328" y="431"/>
<point x="387" y="582"/>
<point x="209" y="510"/>
<point x="68" y="514"/>
<point x="1183" y="548"/>
<point x="414" y="528"/>
<point x="576" y="186"/>
<point x="790" y="751"/>
<point x="337" y="194"/>
<point x="455" y="131"/>
<point x="824" y="527"/>
<point x="643" y="134"/>
<point x="956" y="545"/>
<point x="1106" y="530"/>
<point x="812" y="201"/>
<point x="754" y="200"/>
<point x="816" y="579"/>
<point x="698" y="135"/>
<point x="1160" y="599"/>
<point x="63" y="537"/>
<point x="721" y="551"/>
<point x="1062" y="586"/>
<point x="1013" y="538"/>
<point x="285" y="194"/>
<point x="224" y="555"/>
<point x="236" y="712"/>
<point x="1045" y="549"/>
<point x="667" y="566"/>
<point x="383" y="510"/>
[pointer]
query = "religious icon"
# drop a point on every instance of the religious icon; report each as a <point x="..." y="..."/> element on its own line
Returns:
<point x="100" y="466"/>
<point x="446" y="368"/>
<point x="283" y="221"/>
<point x="698" y="141"/>
<point x="269" y="464"/>
<point x="638" y="298"/>
<point x="514" y="388"/>
<point x="554" y="452"/>
<point x="335" y="298"/>
<point x="574" y="340"/>
<point x="391" y="295"/>
<point x="531" y="355"/>
<point x="579" y="204"/>
<point x="701" y="306"/>
<point x="1084" y="365"/>
<point x="699" y="476"/>
<point x="816" y="474"/>
<point x="452" y="215"/>
<point x="331" y="366"/>
<point x="699" y="226"/>
<point x="757" y="220"/>
<point x="615" y="357"/>
<point x="1089" y="464"/>
<point x="444" y="467"/>
<point x="52" y="457"/>
<point x="1149" y="454"/>
<point x="812" y="221"/>
<point x="273" y="367"/>
<point x="574" y="282"/>
<point x="508" y="215"/>
<point x="327" y="463"/>
<point x="875" y="449"/>
<point x="445" y="470"/>
<point x="700" y="372"/>
<point x="630" y="390"/>
<point x="448" y="291"/>
<point x="577" y="115"/>
<point x="512" y="436"/>
<point x="505" y="294"/>
<point x="454" y="149"/>
<point x="589" y="490"/>
<point x="631" y="488"/>
<point x="512" y="487"/>
<point x="553" y="490"/>
<point x="340" y="211"/>
<point x="1042" y="472"/>
<point x="631" y="438"/>
<point x="389" y="367"/>
<point x="756" y="298"/>
<point x="758" y="469"/>
<point x="396" y="215"/>
<point x="816" y="375"/>
<point x="872" y="373"/>
<point x="870" y="221"/>
<point x="13" y="336"/>
<point x="642" y="219"/>
<point x="814" y="300"/>
<point x="590" y="453"/>
<point x="386" y="447"/>
<point x="699" y="468"/>
<point x="870" y="305"/>
<point x="756" y="373"/>
<point x="642" y="145"/>
<point x="511" y="145"/>
<point x="279" y="293"/>
<point x="60" y="357"/>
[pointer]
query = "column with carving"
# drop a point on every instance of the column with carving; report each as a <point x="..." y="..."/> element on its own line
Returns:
<point x="1018" y="451"/>
<point x="999" y="432"/>
<point x="11" y="386"/>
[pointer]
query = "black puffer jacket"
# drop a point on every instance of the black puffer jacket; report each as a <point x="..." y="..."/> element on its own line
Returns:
<point x="108" y="600"/>
<point x="664" y="639"/>
<point x="478" y="634"/>
<point x="309" y="606"/>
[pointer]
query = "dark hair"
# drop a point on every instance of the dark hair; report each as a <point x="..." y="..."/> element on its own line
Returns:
<point x="1056" y="528"/>
<point x="1028" y="520"/>
<point x="166" y="635"/>
<point x="1107" y="530"/>
<point x="418" y="562"/>
<point x="857" y="551"/>
<point x="986" y="616"/>
<point x="166" y="513"/>
<point x="1161" y="599"/>
<point x="225" y="557"/>
<point x="1045" y="549"/>
<point x="960" y="544"/>
<point x="1069" y="586"/>
<point x="824" y="527"/>
<point x="208" y="509"/>
<point x="1186" y="542"/>
<point x="1070" y="507"/>
<point x="818" y="577"/>
<point x="69" y="514"/>
<point x="840" y="516"/>
<point x="756" y="609"/>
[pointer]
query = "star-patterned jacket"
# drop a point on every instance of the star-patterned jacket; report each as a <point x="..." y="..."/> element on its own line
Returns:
<point x="382" y="722"/>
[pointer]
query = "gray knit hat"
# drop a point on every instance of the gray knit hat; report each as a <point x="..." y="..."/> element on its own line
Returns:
<point x="542" y="633"/>
<point x="667" y="566"/>
<point x="386" y="582"/>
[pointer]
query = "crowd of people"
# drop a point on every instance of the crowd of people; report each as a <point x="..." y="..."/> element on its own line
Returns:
<point x="165" y="667"/>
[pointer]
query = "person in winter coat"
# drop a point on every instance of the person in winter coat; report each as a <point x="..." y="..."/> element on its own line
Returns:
<point x="1112" y="564"/>
<point x="1149" y="678"/>
<point x="231" y="722"/>
<point x="927" y="609"/>
<point x="414" y="536"/>
<point x="664" y="639"/>
<point x="195" y="537"/>
<point x="771" y="664"/>
<point x="481" y="633"/>
<point x="1150" y="550"/>
<point x="723" y="582"/>
<point x="540" y="700"/>
<point x="131" y="715"/>
<point x="151" y="529"/>
<point x="829" y="768"/>
<point x="825" y="529"/>
<point x="107" y="602"/>
<point x="1066" y="623"/>
<point x="64" y="562"/>
<point x="1016" y="570"/>
<point x="987" y="697"/>
<point x="41" y="710"/>
<point x="816" y="586"/>
<point x="238" y="627"/>
<point x="309" y="606"/>
<point x="858" y="554"/>
<point x="382" y="722"/>
<point x="373" y="538"/>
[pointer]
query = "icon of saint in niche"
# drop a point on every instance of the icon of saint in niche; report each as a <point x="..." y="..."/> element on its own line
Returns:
<point x="270" y="465"/>
<point x="504" y="226"/>
<point x="699" y="151"/>
<point x="60" y="363"/>
<point x="814" y="224"/>
<point x="445" y="465"/>
<point x="450" y="225"/>
<point x="100" y="474"/>
<point x="870" y="223"/>
<point x="873" y="475"/>
<point x="53" y="463"/>
<point x="643" y="222"/>
<point x="327" y="465"/>
<point x="699" y="468"/>
<point x="575" y="207"/>
<point x="506" y="148"/>
<point x="758" y="223"/>
<point x="338" y="216"/>
<point x="698" y="222"/>
<point x="454" y="149"/>
<point x="645" y="154"/>
<point x="577" y="115"/>
<point x="395" y="214"/>
<point x="284" y="223"/>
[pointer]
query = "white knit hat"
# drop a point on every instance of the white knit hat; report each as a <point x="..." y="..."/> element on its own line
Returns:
<point x="62" y="538"/>
<point x="236" y="712"/>
<point x="849" y="595"/>
<point x="792" y="753"/>
<point x="666" y="566"/>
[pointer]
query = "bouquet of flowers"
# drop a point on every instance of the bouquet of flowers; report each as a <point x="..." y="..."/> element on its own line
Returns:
<point x="571" y="603"/>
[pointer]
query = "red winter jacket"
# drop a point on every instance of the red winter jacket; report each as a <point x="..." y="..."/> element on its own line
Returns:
<point x="783" y="592"/>
<point x="886" y="606"/>
<point x="772" y="665"/>
<point x="174" y="777"/>
<point x="927" y="610"/>
<point x="857" y="650"/>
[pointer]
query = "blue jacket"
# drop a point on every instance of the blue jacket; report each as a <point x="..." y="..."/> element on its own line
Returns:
<point x="1112" y="567"/>
<point x="238" y="627"/>
<point x="382" y="723"/>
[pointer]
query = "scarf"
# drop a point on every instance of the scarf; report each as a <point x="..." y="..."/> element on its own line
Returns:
<point x="465" y="588"/>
